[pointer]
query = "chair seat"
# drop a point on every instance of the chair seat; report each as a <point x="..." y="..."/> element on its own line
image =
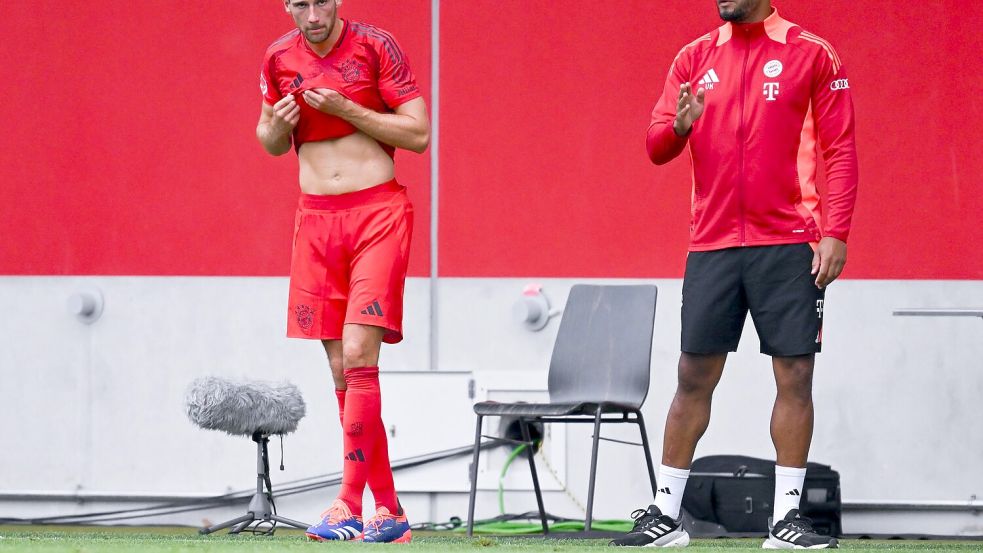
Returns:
<point x="494" y="408"/>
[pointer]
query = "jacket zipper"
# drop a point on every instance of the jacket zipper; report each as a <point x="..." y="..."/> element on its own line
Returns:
<point x="740" y="182"/>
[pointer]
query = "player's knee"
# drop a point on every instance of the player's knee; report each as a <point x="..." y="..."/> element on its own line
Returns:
<point x="694" y="383"/>
<point x="695" y="379"/>
<point x="357" y="354"/>
<point x="795" y="381"/>
<point x="693" y="386"/>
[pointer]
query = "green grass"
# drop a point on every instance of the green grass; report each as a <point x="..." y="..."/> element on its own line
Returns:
<point x="176" y="540"/>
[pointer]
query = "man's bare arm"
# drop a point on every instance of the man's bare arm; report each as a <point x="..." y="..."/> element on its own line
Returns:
<point x="408" y="128"/>
<point x="276" y="122"/>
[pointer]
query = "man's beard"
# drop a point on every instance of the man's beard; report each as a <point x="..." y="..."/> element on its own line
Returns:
<point x="739" y="14"/>
<point x="317" y="40"/>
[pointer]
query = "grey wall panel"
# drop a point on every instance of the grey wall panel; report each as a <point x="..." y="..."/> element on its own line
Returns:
<point x="99" y="407"/>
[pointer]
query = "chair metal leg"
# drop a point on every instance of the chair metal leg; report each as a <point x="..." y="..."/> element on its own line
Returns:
<point x="593" y="470"/>
<point x="531" y="454"/>
<point x="648" y="453"/>
<point x="474" y="475"/>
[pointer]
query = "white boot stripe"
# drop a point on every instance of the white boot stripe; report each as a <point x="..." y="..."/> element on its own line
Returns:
<point x="781" y="533"/>
<point x="794" y="537"/>
<point x="664" y="527"/>
<point x="339" y="534"/>
<point x="651" y="534"/>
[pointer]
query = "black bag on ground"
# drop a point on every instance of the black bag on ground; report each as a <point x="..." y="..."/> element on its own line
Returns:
<point x="737" y="492"/>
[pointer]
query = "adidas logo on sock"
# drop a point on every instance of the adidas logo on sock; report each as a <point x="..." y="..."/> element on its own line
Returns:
<point x="665" y="490"/>
<point x="374" y="309"/>
<point x="793" y="492"/>
<point x="356" y="456"/>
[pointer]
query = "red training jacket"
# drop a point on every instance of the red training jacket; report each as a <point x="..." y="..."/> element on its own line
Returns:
<point x="771" y="90"/>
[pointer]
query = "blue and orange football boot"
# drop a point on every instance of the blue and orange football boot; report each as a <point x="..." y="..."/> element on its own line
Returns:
<point x="337" y="524"/>
<point x="385" y="527"/>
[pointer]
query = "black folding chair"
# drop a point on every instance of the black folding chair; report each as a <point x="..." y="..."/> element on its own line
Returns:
<point x="599" y="373"/>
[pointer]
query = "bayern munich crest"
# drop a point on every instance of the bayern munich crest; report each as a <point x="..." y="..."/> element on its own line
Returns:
<point x="305" y="317"/>
<point x="351" y="70"/>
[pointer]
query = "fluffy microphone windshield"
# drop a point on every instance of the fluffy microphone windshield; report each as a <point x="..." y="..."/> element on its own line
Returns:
<point x="244" y="407"/>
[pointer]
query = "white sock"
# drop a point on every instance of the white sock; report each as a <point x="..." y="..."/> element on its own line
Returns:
<point x="788" y="490"/>
<point x="672" y="482"/>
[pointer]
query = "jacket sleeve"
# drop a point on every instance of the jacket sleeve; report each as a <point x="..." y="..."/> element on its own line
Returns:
<point x="662" y="142"/>
<point x="833" y="112"/>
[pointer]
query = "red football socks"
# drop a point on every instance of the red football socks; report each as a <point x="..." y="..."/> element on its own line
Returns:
<point x="340" y="394"/>
<point x="366" y="448"/>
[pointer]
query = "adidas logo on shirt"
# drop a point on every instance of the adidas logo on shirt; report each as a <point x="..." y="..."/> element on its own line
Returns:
<point x="709" y="79"/>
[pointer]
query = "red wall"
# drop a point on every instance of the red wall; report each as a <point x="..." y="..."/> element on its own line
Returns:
<point x="544" y="117"/>
<point x="128" y="142"/>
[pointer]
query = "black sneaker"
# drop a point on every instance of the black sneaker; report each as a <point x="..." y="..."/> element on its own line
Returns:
<point x="795" y="532"/>
<point x="654" y="529"/>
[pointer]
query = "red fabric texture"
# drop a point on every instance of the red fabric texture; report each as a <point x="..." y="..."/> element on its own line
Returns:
<point x="378" y="479"/>
<point x="349" y="262"/>
<point x="340" y="394"/>
<point x="768" y="87"/>
<point x="366" y="452"/>
<point x="366" y="65"/>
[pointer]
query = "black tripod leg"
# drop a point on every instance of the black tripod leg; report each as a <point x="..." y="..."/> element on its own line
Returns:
<point x="248" y="517"/>
<point x="290" y="522"/>
<point x="242" y="525"/>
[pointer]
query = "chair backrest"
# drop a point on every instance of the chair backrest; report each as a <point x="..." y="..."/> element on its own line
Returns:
<point x="603" y="349"/>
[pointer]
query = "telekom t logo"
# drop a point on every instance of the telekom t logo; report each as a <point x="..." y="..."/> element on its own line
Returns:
<point x="771" y="90"/>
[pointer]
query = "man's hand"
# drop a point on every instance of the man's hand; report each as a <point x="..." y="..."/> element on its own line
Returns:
<point x="688" y="109"/>
<point x="828" y="261"/>
<point x="327" y="100"/>
<point x="286" y="114"/>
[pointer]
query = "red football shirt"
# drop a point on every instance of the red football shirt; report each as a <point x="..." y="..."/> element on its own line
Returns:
<point x="366" y="65"/>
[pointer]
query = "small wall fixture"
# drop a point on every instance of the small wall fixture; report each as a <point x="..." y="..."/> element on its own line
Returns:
<point x="86" y="305"/>
<point x="532" y="309"/>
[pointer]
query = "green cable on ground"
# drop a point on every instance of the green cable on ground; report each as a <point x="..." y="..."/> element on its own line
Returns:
<point x="519" y="528"/>
<point x="501" y="477"/>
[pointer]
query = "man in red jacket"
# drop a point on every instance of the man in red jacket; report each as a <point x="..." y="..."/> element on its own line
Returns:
<point x="756" y="100"/>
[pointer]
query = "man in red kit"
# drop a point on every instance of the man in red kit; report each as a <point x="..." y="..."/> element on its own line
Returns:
<point x="343" y="95"/>
<point x="754" y="100"/>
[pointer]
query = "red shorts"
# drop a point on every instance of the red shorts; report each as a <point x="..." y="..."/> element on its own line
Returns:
<point x="349" y="262"/>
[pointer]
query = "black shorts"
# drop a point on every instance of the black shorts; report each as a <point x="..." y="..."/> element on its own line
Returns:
<point x="773" y="282"/>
